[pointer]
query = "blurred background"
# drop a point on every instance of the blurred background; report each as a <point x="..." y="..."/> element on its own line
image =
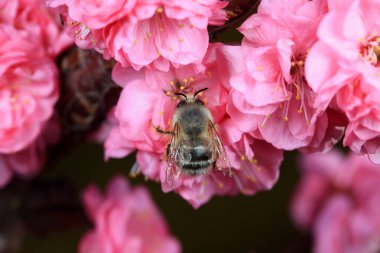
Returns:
<point x="239" y="224"/>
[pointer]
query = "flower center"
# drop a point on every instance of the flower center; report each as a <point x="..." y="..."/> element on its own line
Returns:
<point x="370" y="50"/>
<point x="296" y="85"/>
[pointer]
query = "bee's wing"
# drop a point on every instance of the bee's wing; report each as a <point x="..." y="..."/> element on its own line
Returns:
<point x="222" y="162"/>
<point x="173" y="153"/>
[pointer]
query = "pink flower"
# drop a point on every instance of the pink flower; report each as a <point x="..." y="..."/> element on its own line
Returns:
<point x="126" y="220"/>
<point x="339" y="200"/>
<point x="30" y="160"/>
<point x="272" y="97"/>
<point x="28" y="90"/>
<point x="148" y="100"/>
<point x="343" y="70"/>
<point x="142" y="33"/>
<point x="39" y="24"/>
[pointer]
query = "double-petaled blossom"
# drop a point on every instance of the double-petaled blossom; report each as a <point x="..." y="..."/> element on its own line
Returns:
<point x="36" y="22"/>
<point x="139" y="33"/>
<point x="343" y="68"/>
<point x="30" y="38"/>
<point x="271" y="97"/>
<point x="338" y="200"/>
<point x="28" y="90"/>
<point x="125" y="220"/>
<point x="29" y="161"/>
<point x="148" y="101"/>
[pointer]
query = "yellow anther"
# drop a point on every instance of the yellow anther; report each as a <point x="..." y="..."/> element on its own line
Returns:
<point x="242" y="157"/>
<point x="161" y="113"/>
<point x="286" y="119"/>
<point x="181" y="39"/>
<point x="293" y="64"/>
<point x="259" y="68"/>
<point x="171" y="83"/>
<point x="168" y="93"/>
<point x="185" y="80"/>
<point x="300" y="63"/>
<point x="182" y="87"/>
<point x="191" y="79"/>
<point x="253" y="160"/>
<point x="299" y="110"/>
<point x="160" y="10"/>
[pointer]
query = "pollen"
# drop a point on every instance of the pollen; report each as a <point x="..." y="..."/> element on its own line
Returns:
<point x="191" y="79"/>
<point x="161" y="113"/>
<point x="300" y="63"/>
<point x="242" y="157"/>
<point x="160" y="10"/>
<point x="185" y="80"/>
<point x="253" y="160"/>
<point x="182" y="87"/>
<point x="168" y="93"/>
<point x="286" y="119"/>
<point x="259" y="68"/>
<point x="171" y="83"/>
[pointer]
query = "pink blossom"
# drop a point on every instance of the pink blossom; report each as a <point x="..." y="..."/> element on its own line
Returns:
<point x="141" y="33"/>
<point x="39" y="24"/>
<point x="343" y="70"/>
<point x="126" y="220"/>
<point x="271" y="97"/>
<point x="29" y="90"/>
<point x="30" y="160"/>
<point x="148" y="100"/>
<point x="339" y="200"/>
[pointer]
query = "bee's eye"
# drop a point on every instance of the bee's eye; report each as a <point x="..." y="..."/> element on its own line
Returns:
<point x="199" y="102"/>
<point x="180" y="104"/>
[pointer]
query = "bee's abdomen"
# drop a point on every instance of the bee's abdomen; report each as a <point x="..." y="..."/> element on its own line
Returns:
<point x="197" y="158"/>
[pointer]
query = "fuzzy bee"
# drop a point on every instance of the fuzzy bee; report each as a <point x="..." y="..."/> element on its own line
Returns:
<point x="195" y="148"/>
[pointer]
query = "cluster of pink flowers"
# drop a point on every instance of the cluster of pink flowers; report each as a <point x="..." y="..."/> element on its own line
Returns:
<point x="126" y="220"/>
<point x="140" y="33"/>
<point x="307" y="72"/>
<point x="30" y="39"/>
<point x="338" y="201"/>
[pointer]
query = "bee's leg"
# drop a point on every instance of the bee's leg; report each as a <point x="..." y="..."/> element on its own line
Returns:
<point x="159" y="130"/>
<point x="167" y="150"/>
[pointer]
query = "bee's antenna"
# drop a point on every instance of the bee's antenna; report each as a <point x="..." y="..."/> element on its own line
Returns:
<point x="181" y="94"/>
<point x="199" y="91"/>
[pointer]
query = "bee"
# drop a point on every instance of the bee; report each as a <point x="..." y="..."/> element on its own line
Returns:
<point x="195" y="147"/>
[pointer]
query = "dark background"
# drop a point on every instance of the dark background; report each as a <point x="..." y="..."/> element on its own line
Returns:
<point x="241" y="224"/>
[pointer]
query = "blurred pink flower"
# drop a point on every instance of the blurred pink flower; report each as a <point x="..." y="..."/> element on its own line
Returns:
<point x="126" y="220"/>
<point x="40" y="25"/>
<point x="30" y="160"/>
<point x="148" y="100"/>
<point x="339" y="201"/>
<point x="343" y="70"/>
<point x="271" y="97"/>
<point x="142" y="33"/>
<point x="29" y="90"/>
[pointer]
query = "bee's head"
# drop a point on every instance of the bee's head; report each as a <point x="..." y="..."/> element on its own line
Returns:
<point x="194" y="99"/>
